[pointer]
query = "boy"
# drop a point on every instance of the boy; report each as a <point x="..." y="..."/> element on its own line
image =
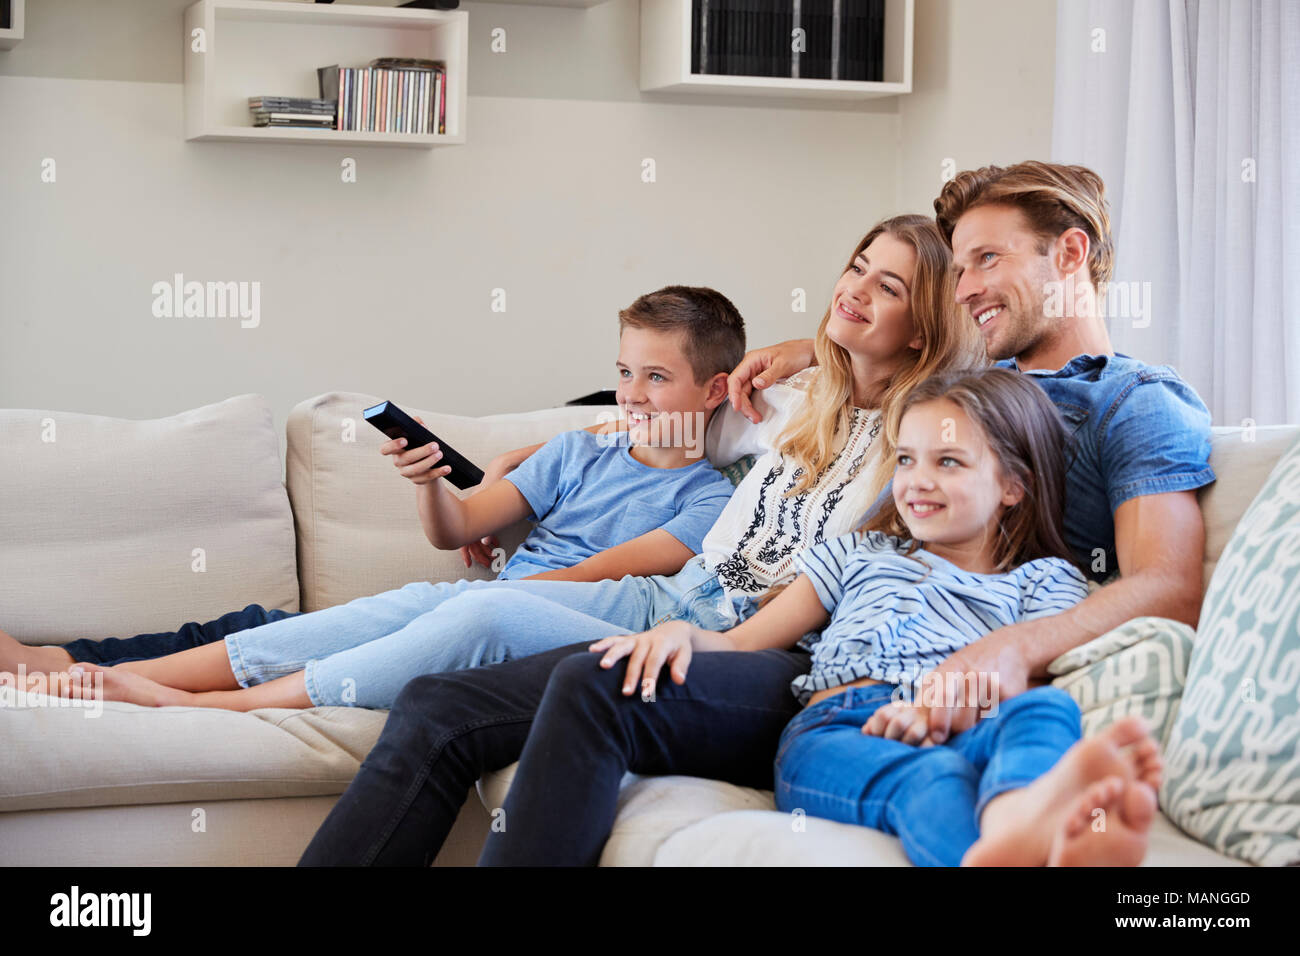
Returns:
<point x="607" y="505"/>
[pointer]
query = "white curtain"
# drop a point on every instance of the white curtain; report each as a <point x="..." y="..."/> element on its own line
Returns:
<point x="1190" y="111"/>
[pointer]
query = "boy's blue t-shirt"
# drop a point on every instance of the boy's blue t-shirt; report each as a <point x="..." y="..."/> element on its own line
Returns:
<point x="589" y="494"/>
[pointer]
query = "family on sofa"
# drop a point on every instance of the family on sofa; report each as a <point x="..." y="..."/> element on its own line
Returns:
<point x="887" y="669"/>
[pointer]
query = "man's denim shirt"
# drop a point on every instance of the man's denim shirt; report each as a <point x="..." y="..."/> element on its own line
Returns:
<point x="1136" y="429"/>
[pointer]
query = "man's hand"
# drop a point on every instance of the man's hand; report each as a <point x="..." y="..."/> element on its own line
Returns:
<point x="763" y="367"/>
<point x="647" y="653"/>
<point x="976" y="678"/>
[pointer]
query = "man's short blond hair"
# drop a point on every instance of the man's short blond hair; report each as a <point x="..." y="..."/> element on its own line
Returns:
<point x="1051" y="197"/>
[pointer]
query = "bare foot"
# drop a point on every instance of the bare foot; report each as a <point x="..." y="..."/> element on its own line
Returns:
<point x="1107" y="826"/>
<point x="132" y="688"/>
<point x="14" y="652"/>
<point x="1019" y="827"/>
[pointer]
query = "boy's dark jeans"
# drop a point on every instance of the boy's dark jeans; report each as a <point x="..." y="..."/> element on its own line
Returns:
<point x="115" y="650"/>
<point x="566" y="720"/>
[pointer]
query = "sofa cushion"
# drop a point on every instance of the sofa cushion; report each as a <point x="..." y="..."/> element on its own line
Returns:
<point x="110" y="527"/>
<point x="358" y="532"/>
<point x="1137" y="668"/>
<point x="769" y="838"/>
<point x="1233" y="759"/>
<point x="57" y="755"/>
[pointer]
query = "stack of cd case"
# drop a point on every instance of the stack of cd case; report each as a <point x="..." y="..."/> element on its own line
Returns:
<point x="294" y="112"/>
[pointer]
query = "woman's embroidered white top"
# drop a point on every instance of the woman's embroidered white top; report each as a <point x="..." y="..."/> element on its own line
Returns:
<point x="752" y="545"/>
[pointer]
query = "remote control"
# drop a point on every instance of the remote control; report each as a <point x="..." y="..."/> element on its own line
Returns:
<point x="395" y="423"/>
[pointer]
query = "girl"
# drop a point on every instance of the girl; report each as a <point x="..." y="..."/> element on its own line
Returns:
<point x="971" y="541"/>
<point x="825" y="456"/>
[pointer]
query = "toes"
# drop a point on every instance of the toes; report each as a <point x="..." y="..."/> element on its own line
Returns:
<point x="1128" y="731"/>
<point x="1138" y="808"/>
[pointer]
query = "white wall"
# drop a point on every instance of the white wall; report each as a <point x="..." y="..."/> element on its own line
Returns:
<point x="385" y="285"/>
<point x="982" y="86"/>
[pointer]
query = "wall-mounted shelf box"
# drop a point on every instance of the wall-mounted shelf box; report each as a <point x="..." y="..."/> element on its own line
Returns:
<point x="666" y="59"/>
<point x="12" y="34"/>
<point x="258" y="47"/>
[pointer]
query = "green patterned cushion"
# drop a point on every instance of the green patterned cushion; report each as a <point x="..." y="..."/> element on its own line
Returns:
<point x="738" y="469"/>
<point x="1138" y="668"/>
<point x="1233" y="758"/>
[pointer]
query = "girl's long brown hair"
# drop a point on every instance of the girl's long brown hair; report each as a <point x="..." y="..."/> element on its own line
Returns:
<point x="948" y="340"/>
<point x="1025" y="433"/>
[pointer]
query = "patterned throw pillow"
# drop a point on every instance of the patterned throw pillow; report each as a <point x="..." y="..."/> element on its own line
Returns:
<point x="1233" y="761"/>
<point x="1138" y="668"/>
<point x="738" y="469"/>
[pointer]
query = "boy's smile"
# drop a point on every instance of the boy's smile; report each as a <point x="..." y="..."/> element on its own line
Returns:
<point x="666" y="410"/>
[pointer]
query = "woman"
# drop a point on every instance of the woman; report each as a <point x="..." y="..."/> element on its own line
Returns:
<point x="826" y="452"/>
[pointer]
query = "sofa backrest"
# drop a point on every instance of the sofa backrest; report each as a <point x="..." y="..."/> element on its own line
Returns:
<point x="357" y="527"/>
<point x="111" y="527"/>
<point x="1242" y="459"/>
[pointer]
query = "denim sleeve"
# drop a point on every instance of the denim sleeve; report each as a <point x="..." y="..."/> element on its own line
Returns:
<point x="1154" y="438"/>
<point x="694" y="519"/>
<point x="540" y="475"/>
<point x="1050" y="586"/>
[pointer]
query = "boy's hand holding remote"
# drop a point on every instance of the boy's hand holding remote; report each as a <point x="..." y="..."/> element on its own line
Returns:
<point x="448" y="521"/>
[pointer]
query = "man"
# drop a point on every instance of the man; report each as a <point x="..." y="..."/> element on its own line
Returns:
<point x="1141" y="448"/>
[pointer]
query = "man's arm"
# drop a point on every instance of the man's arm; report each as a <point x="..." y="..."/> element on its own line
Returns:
<point x="763" y="367"/>
<point x="1160" y="543"/>
<point x="655" y="552"/>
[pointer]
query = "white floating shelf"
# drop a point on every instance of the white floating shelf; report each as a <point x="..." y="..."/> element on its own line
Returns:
<point x="666" y="59"/>
<point x="10" y="36"/>
<point x="549" y="3"/>
<point x="263" y="47"/>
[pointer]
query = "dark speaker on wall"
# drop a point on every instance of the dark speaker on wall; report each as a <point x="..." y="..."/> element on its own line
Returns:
<point x="840" y="39"/>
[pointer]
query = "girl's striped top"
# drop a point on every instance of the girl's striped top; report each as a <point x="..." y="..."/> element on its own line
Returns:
<point x="892" y="621"/>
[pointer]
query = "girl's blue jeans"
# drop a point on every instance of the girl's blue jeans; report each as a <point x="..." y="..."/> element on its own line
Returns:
<point x="931" y="798"/>
<point x="362" y="653"/>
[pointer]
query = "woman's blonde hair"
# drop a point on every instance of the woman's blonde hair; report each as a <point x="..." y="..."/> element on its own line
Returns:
<point x="946" y="342"/>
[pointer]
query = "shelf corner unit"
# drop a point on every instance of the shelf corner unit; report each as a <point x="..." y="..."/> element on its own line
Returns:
<point x="264" y="47"/>
<point x="12" y="35"/>
<point x="666" y="60"/>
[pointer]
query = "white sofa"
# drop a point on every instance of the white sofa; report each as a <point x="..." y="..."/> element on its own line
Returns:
<point x="111" y="527"/>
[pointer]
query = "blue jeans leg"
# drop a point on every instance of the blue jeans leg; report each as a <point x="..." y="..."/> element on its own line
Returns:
<point x="473" y="629"/>
<point x="930" y="797"/>
<point x="1024" y="740"/>
<point x="828" y="768"/>
<point x="116" y="650"/>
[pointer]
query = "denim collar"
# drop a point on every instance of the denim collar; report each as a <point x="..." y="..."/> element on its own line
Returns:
<point x="1071" y="369"/>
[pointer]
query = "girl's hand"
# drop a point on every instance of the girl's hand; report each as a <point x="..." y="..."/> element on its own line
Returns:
<point x="647" y="653"/>
<point x="906" y="723"/>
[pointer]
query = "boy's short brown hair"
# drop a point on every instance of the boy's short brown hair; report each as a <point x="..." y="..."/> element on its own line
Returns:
<point x="1051" y="197"/>
<point x="714" y="332"/>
